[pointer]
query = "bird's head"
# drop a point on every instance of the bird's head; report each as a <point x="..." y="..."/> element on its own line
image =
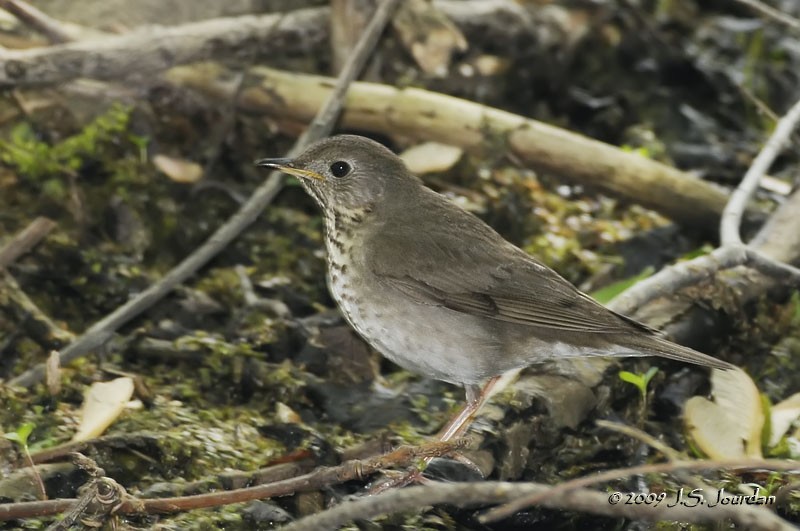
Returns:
<point x="347" y="174"/>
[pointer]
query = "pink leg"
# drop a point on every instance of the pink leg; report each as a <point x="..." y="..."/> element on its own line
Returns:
<point x="457" y="427"/>
<point x="476" y="398"/>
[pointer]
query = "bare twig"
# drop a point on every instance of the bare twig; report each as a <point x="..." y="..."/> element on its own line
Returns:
<point x="17" y="298"/>
<point x="772" y="13"/>
<point x="671" y="279"/>
<point x="323" y="123"/>
<point x="733" y="252"/>
<point x="617" y="473"/>
<point x="732" y="215"/>
<point x="670" y="453"/>
<point x="472" y="494"/>
<point x="319" y="478"/>
<point x="46" y="25"/>
<point x="646" y="438"/>
<point x="24" y="241"/>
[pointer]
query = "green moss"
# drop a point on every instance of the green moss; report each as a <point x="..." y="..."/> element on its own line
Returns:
<point x="35" y="159"/>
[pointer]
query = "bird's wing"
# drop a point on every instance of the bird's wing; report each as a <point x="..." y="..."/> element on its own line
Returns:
<point x="476" y="272"/>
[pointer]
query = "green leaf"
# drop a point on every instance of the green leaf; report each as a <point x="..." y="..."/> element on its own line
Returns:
<point x="21" y="435"/>
<point x="606" y="294"/>
<point x="631" y="378"/>
<point x="649" y="375"/>
<point x="639" y="380"/>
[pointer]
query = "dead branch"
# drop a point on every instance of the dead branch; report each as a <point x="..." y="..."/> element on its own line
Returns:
<point x="25" y="240"/>
<point x="150" y="50"/>
<point x="684" y="274"/>
<point x="772" y="13"/>
<point x="733" y="252"/>
<point x="732" y="215"/>
<point x="475" y="494"/>
<point x="425" y="115"/>
<point x="12" y="295"/>
<point x="54" y="30"/>
<point x="609" y="475"/>
<point x="319" y="478"/>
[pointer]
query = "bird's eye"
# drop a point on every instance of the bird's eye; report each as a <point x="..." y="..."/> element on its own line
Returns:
<point x="340" y="169"/>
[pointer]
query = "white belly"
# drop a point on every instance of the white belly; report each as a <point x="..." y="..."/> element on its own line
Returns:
<point x="416" y="337"/>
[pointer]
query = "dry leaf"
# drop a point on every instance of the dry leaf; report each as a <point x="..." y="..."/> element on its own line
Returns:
<point x="782" y="416"/>
<point x="286" y="414"/>
<point x="103" y="403"/>
<point x="179" y="170"/>
<point x="730" y="427"/>
<point x="429" y="35"/>
<point x="431" y="157"/>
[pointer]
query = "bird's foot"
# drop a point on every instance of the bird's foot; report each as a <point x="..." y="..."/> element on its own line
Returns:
<point x="397" y="479"/>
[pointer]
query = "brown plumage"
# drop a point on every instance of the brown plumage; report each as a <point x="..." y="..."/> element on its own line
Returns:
<point x="438" y="291"/>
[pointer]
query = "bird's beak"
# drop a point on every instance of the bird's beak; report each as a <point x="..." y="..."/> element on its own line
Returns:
<point x="287" y="166"/>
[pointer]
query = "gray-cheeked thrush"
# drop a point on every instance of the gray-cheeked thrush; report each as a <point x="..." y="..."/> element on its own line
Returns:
<point x="438" y="291"/>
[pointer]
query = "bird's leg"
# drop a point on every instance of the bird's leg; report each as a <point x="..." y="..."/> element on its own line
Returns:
<point x="458" y="426"/>
<point x="476" y="398"/>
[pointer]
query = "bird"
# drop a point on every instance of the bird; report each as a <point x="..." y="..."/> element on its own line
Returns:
<point x="436" y="290"/>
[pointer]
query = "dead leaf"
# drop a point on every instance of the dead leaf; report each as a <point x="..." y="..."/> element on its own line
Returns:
<point x="730" y="427"/>
<point x="429" y="35"/>
<point x="103" y="403"/>
<point x="179" y="170"/>
<point x="782" y="416"/>
<point x="431" y="157"/>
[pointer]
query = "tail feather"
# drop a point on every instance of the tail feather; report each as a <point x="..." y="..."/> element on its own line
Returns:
<point x="658" y="346"/>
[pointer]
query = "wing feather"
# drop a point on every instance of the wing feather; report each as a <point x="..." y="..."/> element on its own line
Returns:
<point x="476" y="272"/>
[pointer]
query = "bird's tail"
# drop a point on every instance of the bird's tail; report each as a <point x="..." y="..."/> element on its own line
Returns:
<point x="658" y="346"/>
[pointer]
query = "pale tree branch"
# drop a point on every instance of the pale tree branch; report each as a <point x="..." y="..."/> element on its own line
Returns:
<point x="493" y="492"/>
<point x="608" y="475"/>
<point x="772" y="13"/>
<point x="732" y="215"/>
<point x="732" y="252"/>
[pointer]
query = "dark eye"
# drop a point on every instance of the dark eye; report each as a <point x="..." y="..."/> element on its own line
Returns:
<point x="340" y="169"/>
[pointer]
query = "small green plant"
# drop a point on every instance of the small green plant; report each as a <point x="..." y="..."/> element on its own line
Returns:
<point x="20" y="437"/>
<point x="141" y="142"/>
<point x="639" y="380"/>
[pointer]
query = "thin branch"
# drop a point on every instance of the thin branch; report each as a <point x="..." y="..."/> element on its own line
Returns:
<point x="322" y="125"/>
<point x="315" y="480"/>
<point x="673" y="278"/>
<point x="642" y="436"/>
<point x="618" y="473"/>
<point x="25" y="240"/>
<point x="472" y="494"/>
<point x="772" y="13"/>
<point x="19" y="300"/>
<point x="33" y="17"/>
<point x="732" y="215"/>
